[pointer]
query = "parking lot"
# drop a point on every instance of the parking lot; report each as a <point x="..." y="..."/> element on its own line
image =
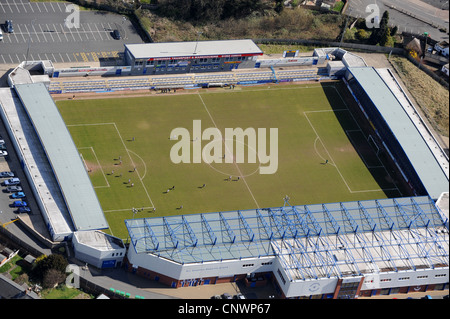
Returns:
<point x="40" y="29"/>
<point x="411" y="16"/>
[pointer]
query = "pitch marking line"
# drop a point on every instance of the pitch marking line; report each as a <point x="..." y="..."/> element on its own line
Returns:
<point x="131" y="159"/>
<point x="237" y="166"/>
<point x="128" y="152"/>
<point x="351" y="114"/>
<point x="98" y="163"/>
<point x="332" y="162"/>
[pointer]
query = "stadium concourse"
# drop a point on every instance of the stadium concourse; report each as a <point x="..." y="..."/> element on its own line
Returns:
<point x="334" y="250"/>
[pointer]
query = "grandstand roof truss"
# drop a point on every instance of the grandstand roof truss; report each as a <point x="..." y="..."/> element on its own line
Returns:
<point x="310" y="241"/>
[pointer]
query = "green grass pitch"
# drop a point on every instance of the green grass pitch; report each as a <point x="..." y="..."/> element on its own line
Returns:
<point x="125" y="144"/>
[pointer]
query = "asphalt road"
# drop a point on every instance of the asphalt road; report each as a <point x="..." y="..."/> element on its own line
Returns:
<point x="41" y="27"/>
<point x="412" y="16"/>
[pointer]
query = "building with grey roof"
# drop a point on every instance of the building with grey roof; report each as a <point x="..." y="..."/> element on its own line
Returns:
<point x="191" y="57"/>
<point x="63" y="156"/>
<point x="309" y="249"/>
<point x="51" y="161"/>
<point x="401" y="132"/>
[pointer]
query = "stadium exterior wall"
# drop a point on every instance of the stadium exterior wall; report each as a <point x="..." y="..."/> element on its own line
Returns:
<point x="100" y="257"/>
<point x="176" y="275"/>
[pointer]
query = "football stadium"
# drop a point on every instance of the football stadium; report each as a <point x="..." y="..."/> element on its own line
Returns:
<point x="355" y="204"/>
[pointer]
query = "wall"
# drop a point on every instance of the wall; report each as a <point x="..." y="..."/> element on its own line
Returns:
<point x="100" y="71"/>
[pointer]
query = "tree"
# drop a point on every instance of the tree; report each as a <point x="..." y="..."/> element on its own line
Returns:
<point x="200" y="11"/>
<point x="279" y="6"/>
<point x="54" y="261"/>
<point x="379" y="33"/>
<point x="52" y="278"/>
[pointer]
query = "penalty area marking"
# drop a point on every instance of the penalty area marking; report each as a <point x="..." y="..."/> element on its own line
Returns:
<point x="332" y="162"/>
<point x="128" y="152"/>
<point x="98" y="163"/>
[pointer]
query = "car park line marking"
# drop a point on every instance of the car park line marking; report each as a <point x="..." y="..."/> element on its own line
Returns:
<point x="48" y="31"/>
<point x="15" y="36"/>
<point x="93" y="33"/>
<point x="9" y="6"/>
<point x="17" y="7"/>
<point x="99" y="32"/>
<point x="51" y="5"/>
<point x="35" y="33"/>
<point x="59" y="6"/>
<point x="3" y="59"/>
<point x="21" y="33"/>
<point x="56" y="32"/>
<point x="45" y="6"/>
<point x="30" y="38"/>
<point x="42" y="33"/>
<point x="31" y="7"/>
<point x="23" y="5"/>
<point x="37" y="5"/>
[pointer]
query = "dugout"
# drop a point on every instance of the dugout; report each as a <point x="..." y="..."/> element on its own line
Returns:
<point x="409" y="145"/>
<point x="191" y="57"/>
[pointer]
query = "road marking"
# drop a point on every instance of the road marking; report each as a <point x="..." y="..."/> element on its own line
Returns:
<point x="93" y="34"/>
<point x="17" y="7"/>
<point x="31" y="7"/>
<point x="43" y="34"/>
<point x="35" y="32"/>
<point x="56" y="31"/>
<point x="99" y="32"/>
<point x="29" y="34"/>
<point x="21" y="33"/>
<point x="23" y="4"/>
<point x="49" y="32"/>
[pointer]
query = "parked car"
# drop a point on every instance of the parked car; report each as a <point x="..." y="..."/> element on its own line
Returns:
<point x="116" y="34"/>
<point x="24" y="209"/>
<point x="9" y="26"/>
<point x="13" y="189"/>
<point x="239" y="296"/>
<point x="12" y="181"/>
<point x="1" y="35"/>
<point x="226" y="296"/>
<point x="19" y="203"/>
<point x="2" y="147"/>
<point x="3" y="153"/>
<point x="6" y="174"/>
<point x="18" y="195"/>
